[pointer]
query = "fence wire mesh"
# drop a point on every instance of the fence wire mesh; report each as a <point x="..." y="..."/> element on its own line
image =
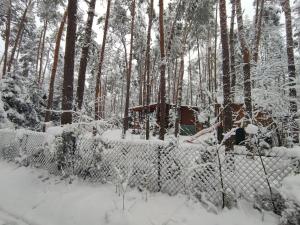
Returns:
<point x="200" y="170"/>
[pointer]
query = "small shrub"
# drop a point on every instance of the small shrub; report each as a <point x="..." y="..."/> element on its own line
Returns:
<point x="291" y="214"/>
<point x="264" y="201"/>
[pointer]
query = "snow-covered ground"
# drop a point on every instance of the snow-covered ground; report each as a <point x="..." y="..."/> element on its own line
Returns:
<point x="116" y="134"/>
<point x="30" y="197"/>
<point x="291" y="188"/>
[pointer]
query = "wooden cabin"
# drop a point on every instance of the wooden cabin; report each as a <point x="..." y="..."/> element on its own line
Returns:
<point x="260" y="116"/>
<point x="189" y="123"/>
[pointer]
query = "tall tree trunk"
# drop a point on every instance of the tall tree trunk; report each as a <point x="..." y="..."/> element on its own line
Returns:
<point x="180" y="81"/>
<point x="227" y="118"/>
<point x="256" y="12"/>
<point x="85" y="54"/>
<point x="258" y="31"/>
<point x="126" y="111"/>
<point x="19" y="32"/>
<point x="172" y="31"/>
<point x="162" y="116"/>
<point x="38" y="55"/>
<point x="20" y="44"/>
<point x="187" y="97"/>
<point x="99" y="73"/>
<point x="141" y="76"/>
<point x="232" y="46"/>
<point x="7" y="38"/>
<point x="199" y="72"/>
<point x="53" y="70"/>
<point x="175" y="82"/>
<point x="291" y="62"/>
<point x="179" y="91"/>
<point x="170" y="43"/>
<point x="215" y="48"/>
<point x="45" y="67"/>
<point x="42" y="52"/>
<point x="104" y="98"/>
<point x="147" y="69"/>
<point x="190" y="78"/>
<point x="246" y="60"/>
<point x="124" y="72"/>
<point x="67" y="93"/>
<point x="128" y="79"/>
<point x="208" y="61"/>
<point x="168" y="94"/>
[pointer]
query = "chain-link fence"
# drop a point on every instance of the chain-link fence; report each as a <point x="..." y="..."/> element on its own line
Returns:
<point x="201" y="170"/>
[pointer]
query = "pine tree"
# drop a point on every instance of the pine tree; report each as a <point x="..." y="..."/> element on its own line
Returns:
<point x="84" y="54"/>
<point x="162" y="111"/>
<point x="129" y="70"/>
<point x="98" y="94"/>
<point x="54" y="69"/>
<point x="67" y="93"/>
<point x="291" y="60"/>
<point x="147" y="70"/>
<point x="246" y="60"/>
<point x="258" y="25"/>
<point x="19" y="34"/>
<point x="7" y="37"/>
<point x="232" y="52"/>
<point x="227" y="120"/>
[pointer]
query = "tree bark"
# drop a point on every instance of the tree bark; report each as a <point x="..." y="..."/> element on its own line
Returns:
<point x="20" y="29"/>
<point x="169" y="45"/>
<point x="85" y="54"/>
<point x="232" y="46"/>
<point x="208" y="61"/>
<point x="190" y="79"/>
<point x="256" y="12"/>
<point x="98" y="115"/>
<point x="147" y="69"/>
<point x="227" y="118"/>
<point x="128" y="80"/>
<point x="172" y="31"/>
<point x="162" y="115"/>
<point x="42" y="52"/>
<point x="291" y="63"/>
<point x="20" y="44"/>
<point x="67" y="93"/>
<point x="215" y="52"/>
<point x="38" y="56"/>
<point x="46" y="65"/>
<point x="180" y="82"/>
<point x="258" y="31"/>
<point x="179" y="92"/>
<point x="246" y="60"/>
<point x="53" y="70"/>
<point x="174" y="97"/>
<point x="7" y="38"/>
<point x="199" y="72"/>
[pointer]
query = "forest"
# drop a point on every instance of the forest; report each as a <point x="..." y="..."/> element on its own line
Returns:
<point x="159" y="112"/>
<point x="76" y="61"/>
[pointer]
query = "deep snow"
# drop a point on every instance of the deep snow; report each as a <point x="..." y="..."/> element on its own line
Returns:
<point x="30" y="197"/>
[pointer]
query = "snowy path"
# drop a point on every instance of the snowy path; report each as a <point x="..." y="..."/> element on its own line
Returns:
<point x="8" y="218"/>
<point x="30" y="197"/>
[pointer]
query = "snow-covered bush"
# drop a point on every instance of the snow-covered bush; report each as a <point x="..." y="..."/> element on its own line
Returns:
<point x="4" y="123"/>
<point x="284" y="202"/>
<point x="291" y="213"/>
<point x="264" y="201"/>
<point x="22" y="102"/>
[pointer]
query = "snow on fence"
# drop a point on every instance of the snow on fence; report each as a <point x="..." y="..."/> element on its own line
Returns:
<point x="200" y="170"/>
